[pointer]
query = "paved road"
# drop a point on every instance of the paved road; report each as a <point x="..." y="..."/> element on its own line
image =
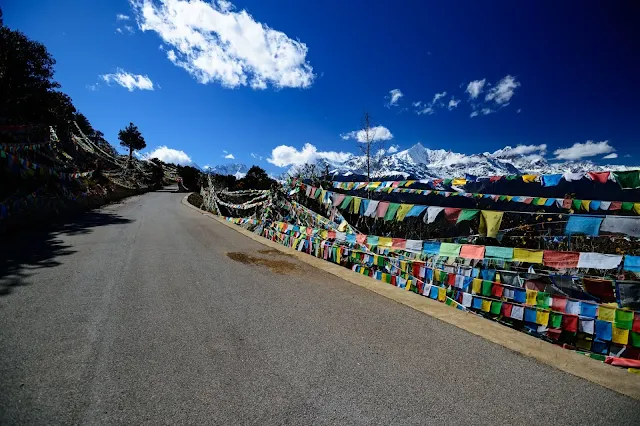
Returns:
<point x="134" y="314"/>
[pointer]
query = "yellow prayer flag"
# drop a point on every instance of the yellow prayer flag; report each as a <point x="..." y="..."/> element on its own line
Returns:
<point x="442" y="294"/>
<point x="531" y="297"/>
<point x="476" y="286"/>
<point x="324" y="234"/>
<point x="355" y="206"/>
<point x="585" y="204"/>
<point x="509" y="197"/>
<point x="402" y="211"/>
<point x="490" y="222"/>
<point x="527" y="255"/>
<point x="486" y="305"/>
<point x="409" y="284"/>
<point x="529" y="178"/>
<point x="619" y="335"/>
<point x="541" y="201"/>
<point x="409" y="183"/>
<point x="606" y="313"/>
<point x="385" y="242"/>
<point x="342" y="226"/>
<point x="374" y="184"/>
<point x="542" y="317"/>
<point x="459" y="182"/>
<point x="636" y="208"/>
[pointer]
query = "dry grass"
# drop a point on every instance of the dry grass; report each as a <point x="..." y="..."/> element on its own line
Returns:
<point x="276" y="266"/>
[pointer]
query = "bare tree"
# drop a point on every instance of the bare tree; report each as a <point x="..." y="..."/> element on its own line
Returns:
<point x="371" y="147"/>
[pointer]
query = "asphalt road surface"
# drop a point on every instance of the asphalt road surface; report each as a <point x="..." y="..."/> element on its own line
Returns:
<point x="138" y="314"/>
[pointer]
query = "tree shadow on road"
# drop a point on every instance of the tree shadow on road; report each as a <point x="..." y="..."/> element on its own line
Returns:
<point x="29" y="250"/>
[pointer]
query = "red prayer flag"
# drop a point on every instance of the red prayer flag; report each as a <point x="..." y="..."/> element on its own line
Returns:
<point x="451" y="214"/>
<point x="393" y="280"/>
<point x="470" y="251"/>
<point x="451" y="279"/>
<point x="416" y="270"/>
<point x="558" y="303"/>
<point x="615" y="205"/>
<point x="560" y="259"/>
<point x="331" y="234"/>
<point x="600" y="177"/>
<point x="494" y="178"/>
<point x="496" y="290"/>
<point x="636" y="323"/>
<point x="603" y="289"/>
<point x="398" y="243"/>
<point x="506" y="309"/>
<point x="527" y="200"/>
<point x="361" y="238"/>
<point x="570" y="323"/>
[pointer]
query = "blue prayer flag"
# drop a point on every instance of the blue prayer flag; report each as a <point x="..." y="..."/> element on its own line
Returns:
<point x="587" y="225"/>
<point x="530" y="314"/>
<point x="604" y="330"/>
<point x="588" y="309"/>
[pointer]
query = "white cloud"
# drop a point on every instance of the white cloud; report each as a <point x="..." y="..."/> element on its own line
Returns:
<point x="520" y="150"/>
<point x="121" y="17"/>
<point x="129" y="28"/>
<point x="376" y="133"/>
<point x="503" y="91"/>
<point x="583" y="150"/>
<point x="474" y="114"/>
<point x="627" y="156"/>
<point x="394" y="97"/>
<point x="519" y="110"/>
<point x="393" y="149"/>
<point x="93" y="87"/>
<point x="119" y="30"/>
<point x="474" y="88"/>
<point x="214" y="43"/>
<point x="416" y="104"/>
<point x="224" y="151"/>
<point x="229" y="157"/>
<point x="128" y="80"/>
<point x="284" y="155"/>
<point x="426" y="110"/>
<point x="610" y="156"/>
<point x="453" y="103"/>
<point x="169" y="155"/>
<point x="487" y="111"/>
<point x="256" y="156"/>
<point x="438" y="96"/>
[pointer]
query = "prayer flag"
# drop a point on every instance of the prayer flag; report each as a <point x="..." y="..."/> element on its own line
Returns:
<point x="587" y="225"/>
<point x="573" y="307"/>
<point x="531" y="297"/>
<point x="506" y="309"/>
<point x="403" y="211"/>
<point x="519" y="295"/>
<point x="477" y="303"/>
<point x="432" y="214"/>
<point x="527" y="255"/>
<point x="449" y="249"/>
<point x="555" y="320"/>
<point x="469" y="251"/>
<point x="496" y="307"/>
<point x="542" y="317"/>
<point x="588" y="309"/>
<point x="599" y="260"/>
<point x="530" y="315"/>
<point x="466" y="300"/>
<point x="606" y="313"/>
<point x="466" y="215"/>
<point x="542" y="299"/>
<point x="604" y="330"/>
<point x="476" y="286"/>
<point x="497" y="290"/>
<point x="452" y="214"/>
<point x="492" y="252"/>
<point x="587" y="325"/>
<point x="490" y="222"/>
<point x="382" y="208"/>
<point x="517" y="312"/>
<point x="560" y="259"/>
<point x="621" y="225"/>
<point x="619" y="335"/>
<point x="570" y="323"/>
<point x="628" y="180"/>
<point x="624" y="319"/>
<point x="442" y="294"/>
<point x="486" y="305"/>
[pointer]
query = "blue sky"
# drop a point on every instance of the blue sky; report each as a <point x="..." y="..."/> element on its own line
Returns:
<point x="260" y="79"/>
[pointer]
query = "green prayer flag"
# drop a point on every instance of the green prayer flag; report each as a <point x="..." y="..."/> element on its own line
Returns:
<point x="486" y="288"/>
<point x="577" y="204"/>
<point x="628" y="180"/>
<point x="536" y="201"/>
<point x="467" y="215"/>
<point x="624" y="319"/>
<point x="391" y="211"/>
<point x="542" y="300"/>
<point x="634" y="339"/>
<point x="496" y="307"/>
<point x="502" y="197"/>
<point x="346" y="202"/>
<point x="555" y="320"/>
<point x="447" y="182"/>
<point x="449" y="301"/>
<point x="512" y="177"/>
<point x="627" y="206"/>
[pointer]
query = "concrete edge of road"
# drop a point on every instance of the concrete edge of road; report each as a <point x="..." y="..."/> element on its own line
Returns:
<point x="614" y="378"/>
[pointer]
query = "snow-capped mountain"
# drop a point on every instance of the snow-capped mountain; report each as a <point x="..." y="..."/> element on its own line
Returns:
<point x="238" y="170"/>
<point x="419" y="162"/>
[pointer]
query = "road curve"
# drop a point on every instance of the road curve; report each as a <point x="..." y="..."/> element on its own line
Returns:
<point x="146" y="312"/>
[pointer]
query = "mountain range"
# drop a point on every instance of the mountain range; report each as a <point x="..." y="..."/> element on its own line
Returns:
<point x="419" y="162"/>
